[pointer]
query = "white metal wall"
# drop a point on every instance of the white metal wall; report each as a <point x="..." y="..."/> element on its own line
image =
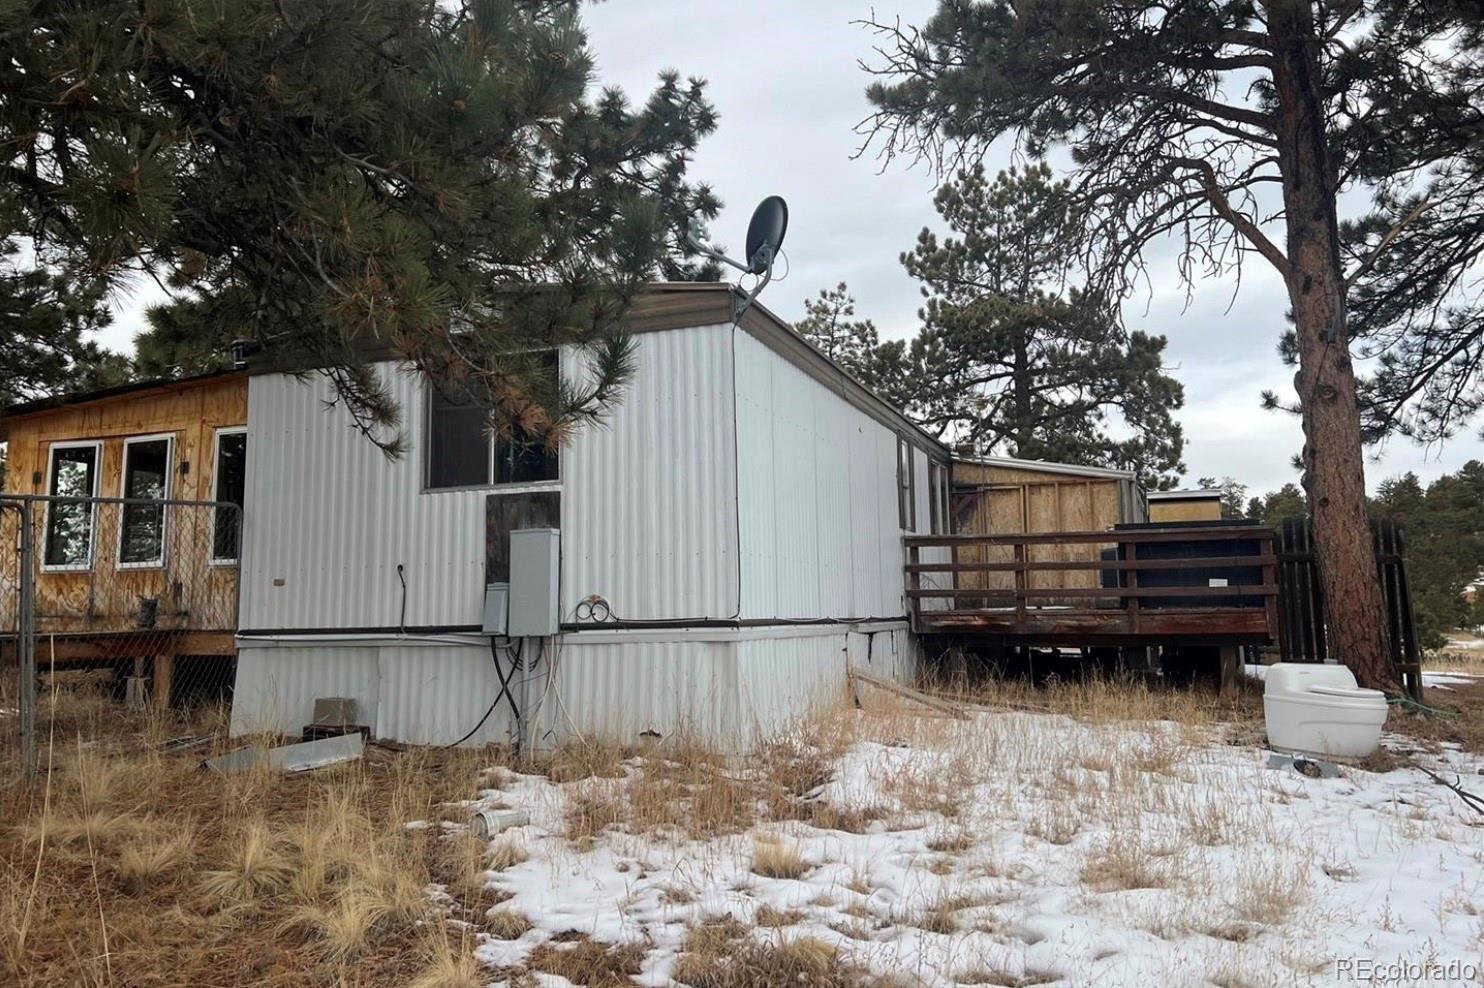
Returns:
<point x="648" y="504"/>
<point x="816" y="497"/>
<point x="420" y="693"/>
<point x="649" y="500"/>
<point x="729" y="689"/>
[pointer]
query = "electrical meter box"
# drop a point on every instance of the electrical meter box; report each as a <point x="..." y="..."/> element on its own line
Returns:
<point x="535" y="568"/>
<point x="496" y="608"/>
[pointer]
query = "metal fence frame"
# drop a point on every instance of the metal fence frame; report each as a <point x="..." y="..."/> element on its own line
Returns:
<point x="25" y="631"/>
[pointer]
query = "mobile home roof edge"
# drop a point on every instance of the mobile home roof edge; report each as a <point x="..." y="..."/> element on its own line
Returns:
<point x="662" y="306"/>
<point x="1208" y="493"/>
<point x="1046" y="466"/>
<point x="132" y="388"/>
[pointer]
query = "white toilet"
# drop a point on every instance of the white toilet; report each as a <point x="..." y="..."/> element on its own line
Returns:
<point x="1315" y="709"/>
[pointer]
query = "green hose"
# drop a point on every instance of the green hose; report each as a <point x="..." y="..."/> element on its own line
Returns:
<point x="1402" y="700"/>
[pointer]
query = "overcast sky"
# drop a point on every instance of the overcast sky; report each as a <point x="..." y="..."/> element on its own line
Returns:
<point x="785" y="80"/>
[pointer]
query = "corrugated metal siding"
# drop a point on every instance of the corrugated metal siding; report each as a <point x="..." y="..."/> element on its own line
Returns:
<point x="649" y="506"/>
<point x="418" y="693"/>
<point x="436" y="694"/>
<point x="276" y="687"/>
<point x="332" y="517"/>
<point x="786" y="679"/>
<point x="617" y="690"/>
<point x="731" y="694"/>
<point x="816" y="497"/>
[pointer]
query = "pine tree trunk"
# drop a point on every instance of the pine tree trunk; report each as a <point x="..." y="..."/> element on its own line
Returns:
<point x="1021" y="377"/>
<point x="1334" y="471"/>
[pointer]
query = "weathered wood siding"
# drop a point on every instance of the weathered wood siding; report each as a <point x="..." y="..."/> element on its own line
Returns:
<point x="104" y="597"/>
<point x="996" y="499"/>
<point x="1181" y="509"/>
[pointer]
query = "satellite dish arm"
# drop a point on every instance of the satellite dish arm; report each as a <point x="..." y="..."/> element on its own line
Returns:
<point x="739" y="306"/>
<point x="711" y="252"/>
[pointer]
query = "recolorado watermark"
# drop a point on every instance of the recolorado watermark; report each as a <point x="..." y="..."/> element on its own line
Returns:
<point x="1406" y="972"/>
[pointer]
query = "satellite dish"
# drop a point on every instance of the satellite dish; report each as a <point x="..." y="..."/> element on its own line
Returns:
<point x="764" y="240"/>
<point x="765" y="233"/>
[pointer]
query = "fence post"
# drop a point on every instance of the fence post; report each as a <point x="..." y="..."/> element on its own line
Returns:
<point x="26" y="642"/>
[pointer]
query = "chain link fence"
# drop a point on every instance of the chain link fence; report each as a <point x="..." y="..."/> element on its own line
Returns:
<point x="117" y="619"/>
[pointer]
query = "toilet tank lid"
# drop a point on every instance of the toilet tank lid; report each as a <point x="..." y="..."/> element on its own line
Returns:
<point x="1297" y="677"/>
<point x="1349" y="693"/>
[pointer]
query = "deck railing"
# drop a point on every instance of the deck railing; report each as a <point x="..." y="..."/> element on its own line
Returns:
<point x="1051" y="584"/>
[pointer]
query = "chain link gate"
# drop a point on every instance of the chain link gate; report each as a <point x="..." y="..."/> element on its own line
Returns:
<point x="117" y="619"/>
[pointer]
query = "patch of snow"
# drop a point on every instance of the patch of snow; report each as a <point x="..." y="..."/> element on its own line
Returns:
<point x="1259" y="875"/>
<point x="1448" y="679"/>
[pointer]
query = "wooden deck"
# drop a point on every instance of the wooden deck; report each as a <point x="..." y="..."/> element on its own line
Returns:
<point x="986" y="585"/>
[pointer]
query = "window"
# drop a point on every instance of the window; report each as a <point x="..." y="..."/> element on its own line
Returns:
<point x="938" y="497"/>
<point x="458" y="441"/>
<point x="906" y="487"/>
<point x="72" y="471"/>
<point x="462" y="453"/>
<point x="146" y="478"/>
<point x="228" y="484"/>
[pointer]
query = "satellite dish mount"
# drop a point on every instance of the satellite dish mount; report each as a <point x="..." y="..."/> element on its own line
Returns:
<point x="764" y="241"/>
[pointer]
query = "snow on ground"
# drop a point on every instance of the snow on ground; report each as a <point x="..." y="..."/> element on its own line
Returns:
<point x="1032" y="846"/>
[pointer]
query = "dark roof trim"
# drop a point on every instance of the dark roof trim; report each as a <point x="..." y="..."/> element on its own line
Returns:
<point x="117" y="391"/>
<point x="1205" y="494"/>
<point x="664" y="306"/>
<point x="685" y="305"/>
<point x="1046" y="466"/>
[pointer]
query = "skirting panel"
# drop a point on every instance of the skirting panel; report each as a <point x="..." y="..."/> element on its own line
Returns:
<point x="613" y="686"/>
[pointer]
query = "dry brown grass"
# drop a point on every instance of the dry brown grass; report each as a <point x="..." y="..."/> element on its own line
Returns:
<point x="1124" y="862"/>
<point x="1459" y="719"/>
<point x="449" y="963"/>
<point x="1103" y="700"/>
<point x="768" y="916"/>
<point x="127" y="865"/>
<point x="507" y="924"/>
<point x="589" y="962"/>
<point x="1462" y="654"/>
<point x="717" y="956"/>
<point x="777" y="859"/>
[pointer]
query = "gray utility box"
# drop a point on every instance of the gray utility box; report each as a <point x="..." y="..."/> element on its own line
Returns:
<point x="535" y="567"/>
<point x="496" y="608"/>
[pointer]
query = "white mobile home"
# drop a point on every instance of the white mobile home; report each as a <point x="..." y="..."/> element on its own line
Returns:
<point x="729" y="540"/>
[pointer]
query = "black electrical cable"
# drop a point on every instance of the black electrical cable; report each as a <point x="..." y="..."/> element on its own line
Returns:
<point x="402" y="617"/>
<point x="504" y="688"/>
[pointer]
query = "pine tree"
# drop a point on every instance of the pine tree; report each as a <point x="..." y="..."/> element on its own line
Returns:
<point x="829" y="323"/>
<point x="1287" y="503"/>
<point x="1443" y="524"/>
<point x="334" y="179"/>
<point x="46" y="322"/>
<point x="1233" y="495"/>
<point x="1011" y="361"/>
<point x="1205" y="120"/>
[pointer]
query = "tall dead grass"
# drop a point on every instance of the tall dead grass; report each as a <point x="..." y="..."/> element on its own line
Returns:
<point x="130" y="865"/>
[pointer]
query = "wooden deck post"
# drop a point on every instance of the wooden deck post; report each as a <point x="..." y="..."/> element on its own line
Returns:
<point x="1020" y="585"/>
<point x="914" y="582"/>
<point x="164" y="679"/>
<point x="1231" y="669"/>
<point x="1133" y="584"/>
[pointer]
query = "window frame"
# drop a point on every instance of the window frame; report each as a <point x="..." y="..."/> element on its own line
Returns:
<point x="490" y="484"/>
<point x="906" y="485"/>
<point x="938" y="497"/>
<point x="216" y="459"/>
<point x="46" y="522"/>
<point x="118" y="547"/>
